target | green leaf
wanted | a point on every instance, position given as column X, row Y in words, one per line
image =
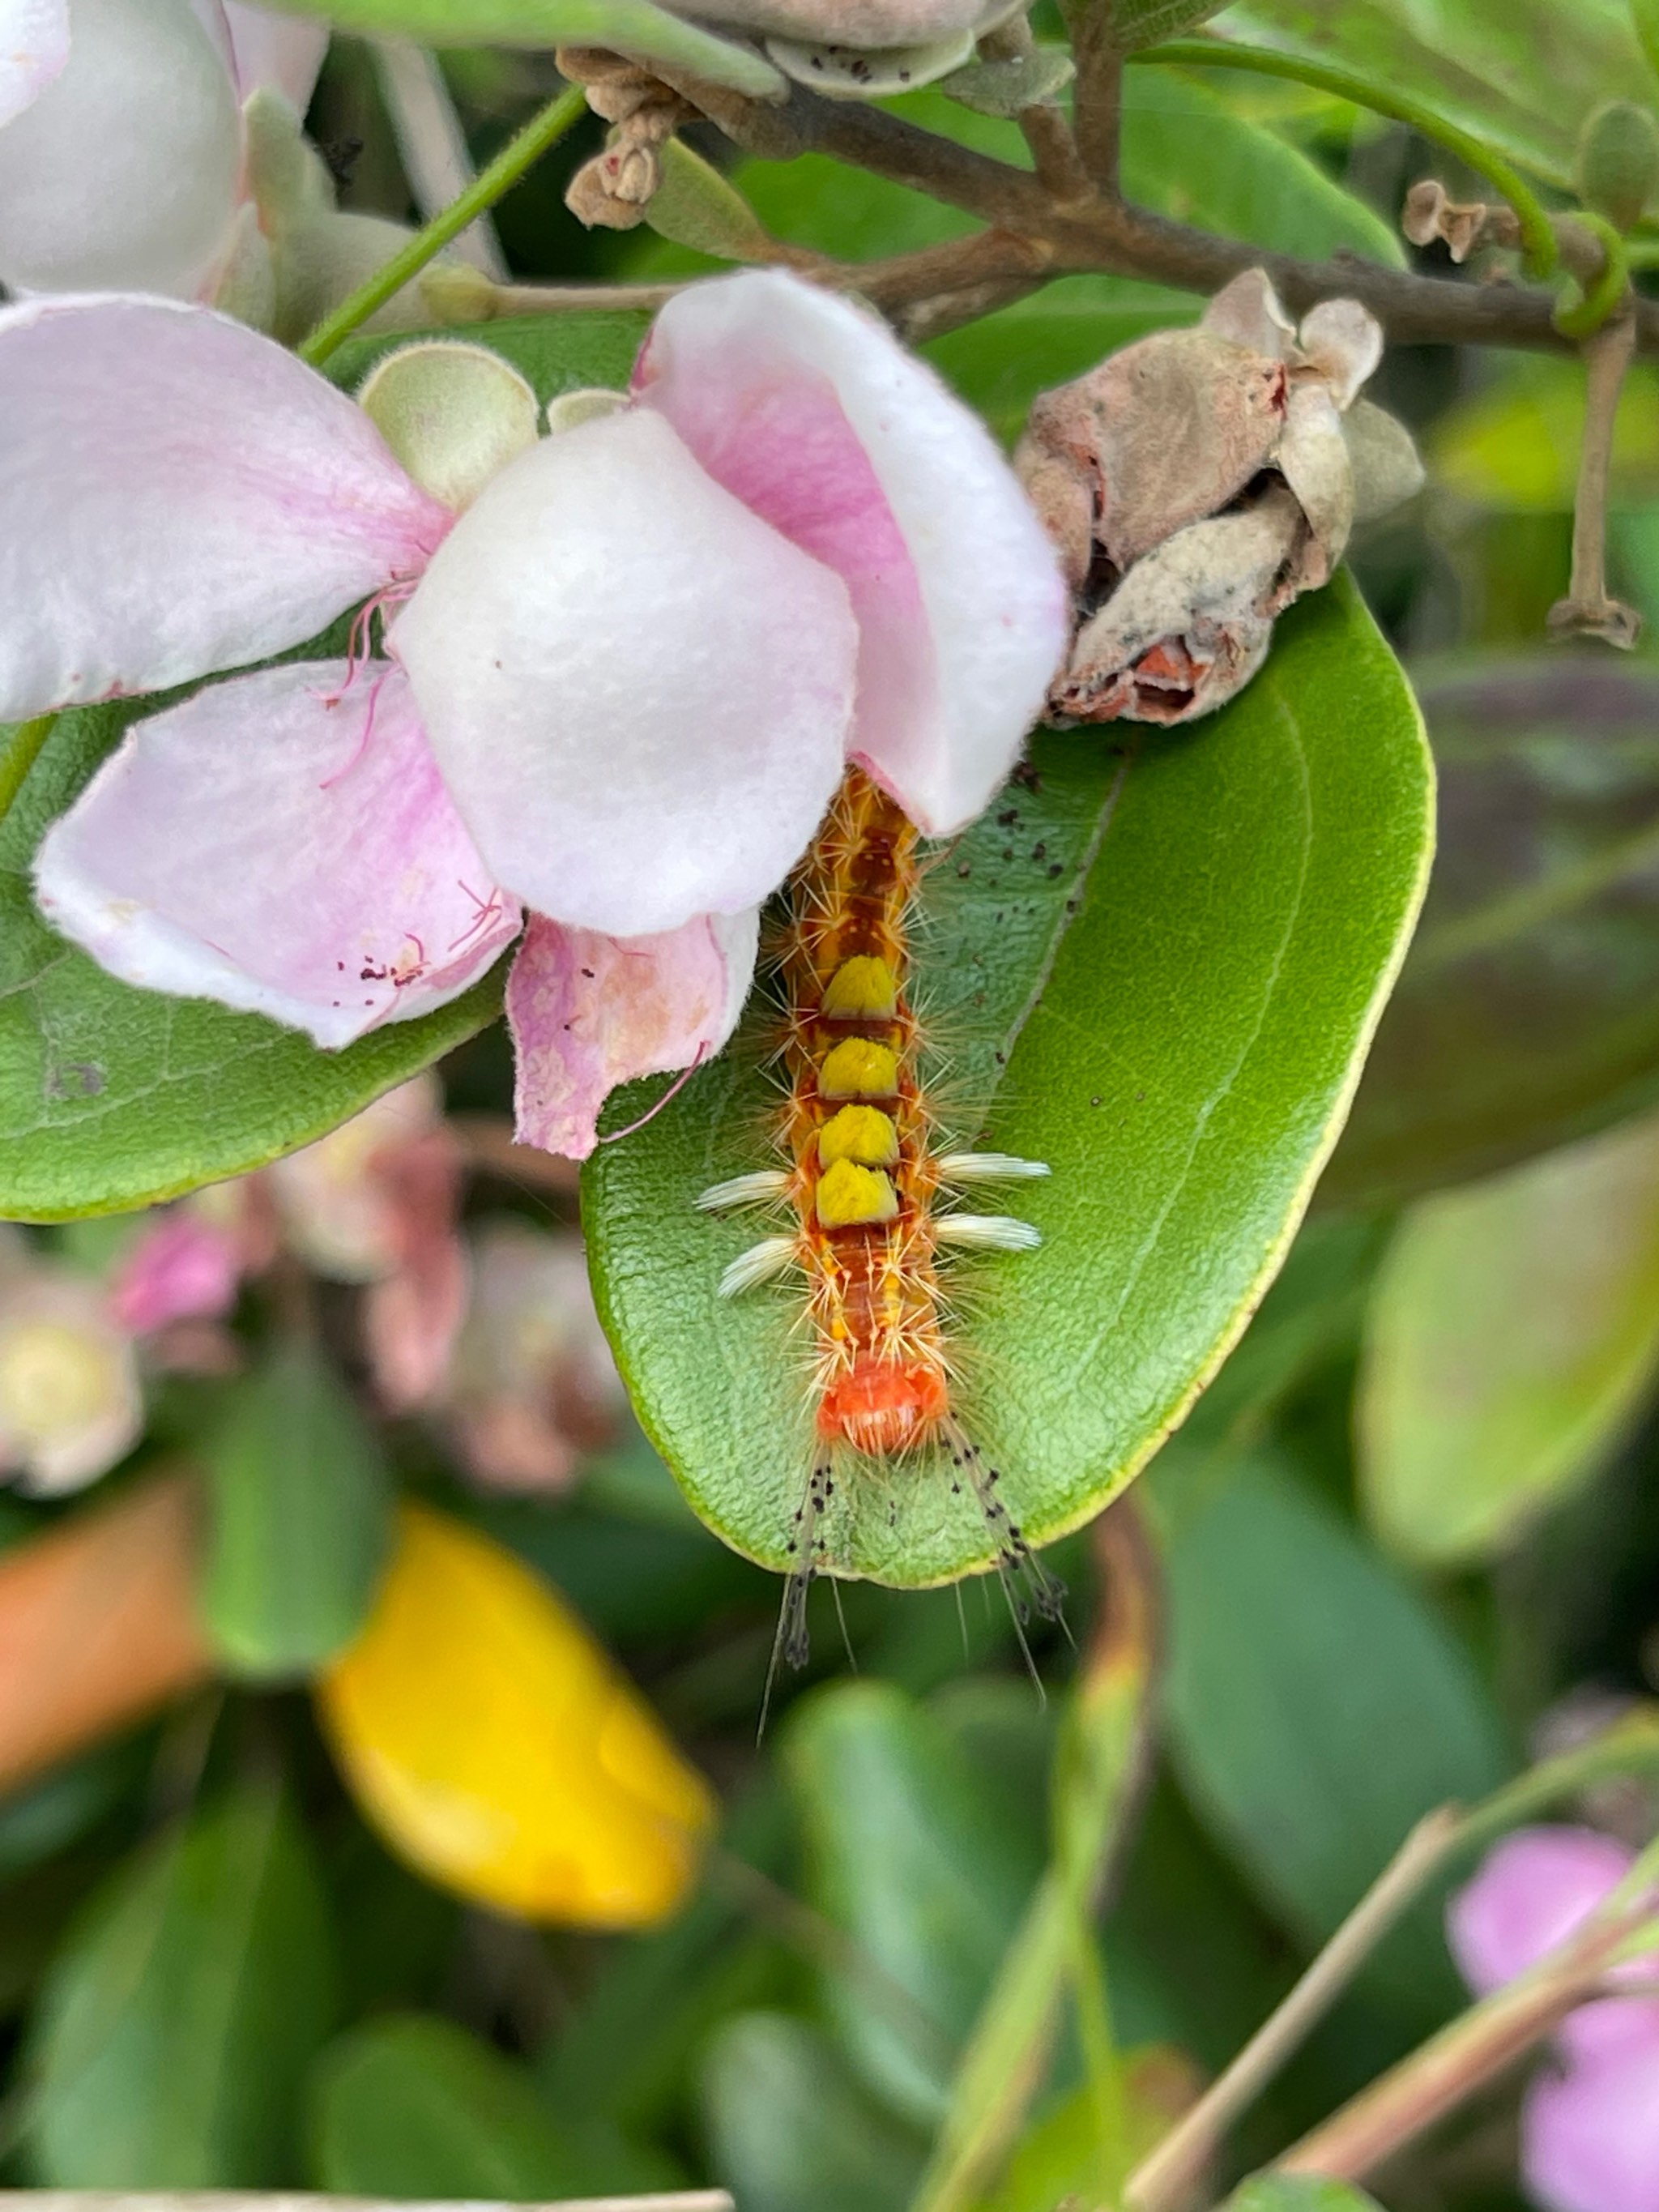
column 1524, row 75
column 1299, row 2192
column 917, row 1856
column 1644, row 16
column 1317, row 1709
column 414, row 2106
column 1157, row 973
column 792, row 2131
column 112, row 1098
column 180, row 2019
column 1137, row 24
column 1057, row 2161
column 1513, row 1335
column 627, row 26
column 695, row 206
column 1528, row 1012
column 300, row 1523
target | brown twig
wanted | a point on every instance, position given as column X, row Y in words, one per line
column 1474, row 2050
column 1587, row 611
column 1106, row 235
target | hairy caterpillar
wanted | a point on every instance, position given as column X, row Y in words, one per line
column 865, row 1184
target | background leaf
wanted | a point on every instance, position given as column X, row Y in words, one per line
column 1527, row 1010
column 792, row 2131
column 301, row 1519
column 925, row 1866
column 1297, row 2192
column 177, row 2024
column 628, row 27
column 1523, row 76
column 1513, row 1331
column 1192, row 1034
column 1317, row 1709
column 412, row 2105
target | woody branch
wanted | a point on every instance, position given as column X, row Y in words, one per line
column 1033, row 234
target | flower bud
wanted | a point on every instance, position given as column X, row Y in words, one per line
column 1194, row 484
column 1618, row 162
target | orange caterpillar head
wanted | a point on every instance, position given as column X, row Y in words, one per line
column 881, row 1407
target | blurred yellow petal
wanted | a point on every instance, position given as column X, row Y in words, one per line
column 497, row 1748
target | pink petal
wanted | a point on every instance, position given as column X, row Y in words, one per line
column 638, row 692
column 816, row 417
column 589, row 1012
column 1532, row 1891
column 282, row 51
column 1249, row 313
column 282, row 843
column 178, row 494
column 35, row 44
column 1590, row 2139
column 183, row 1267
column 124, row 167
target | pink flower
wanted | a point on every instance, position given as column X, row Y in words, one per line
column 533, row 1388
column 183, row 1267
column 122, row 147
column 627, row 669
column 1589, row 2126
column 376, row 1202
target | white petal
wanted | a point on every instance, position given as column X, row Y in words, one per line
column 33, row 47
column 178, row 494
column 1343, row 343
column 638, row 693
column 282, row 843
column 284, row 52
column 813, row 414
column 123, row 171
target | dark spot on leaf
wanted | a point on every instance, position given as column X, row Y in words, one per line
column 76, row 1078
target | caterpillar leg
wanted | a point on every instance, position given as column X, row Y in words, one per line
column 791, row 1645
column 1031, row 1590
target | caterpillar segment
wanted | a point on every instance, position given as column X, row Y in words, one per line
column 864, row 1182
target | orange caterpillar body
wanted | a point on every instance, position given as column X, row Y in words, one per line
column 866, row 1183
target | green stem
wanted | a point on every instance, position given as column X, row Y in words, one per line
column 18, row 755
column 1537, row 233
column 1584, row 317
column 519, row 154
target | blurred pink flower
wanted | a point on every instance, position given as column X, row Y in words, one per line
column 620, row 689
column 183, row 1267
column 70, row 1400
column 122, row 144
column 534, row 1389
column 1590, row 2123
column 376, row 1202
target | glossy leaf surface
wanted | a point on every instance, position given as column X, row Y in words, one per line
column 1158, row 972
column 300, row 1522
column 112, row 1098
column 1513, row 1332
column 178, row 2024
column 1528, row 1011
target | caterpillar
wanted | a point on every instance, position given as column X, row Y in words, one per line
column 866, row 1183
